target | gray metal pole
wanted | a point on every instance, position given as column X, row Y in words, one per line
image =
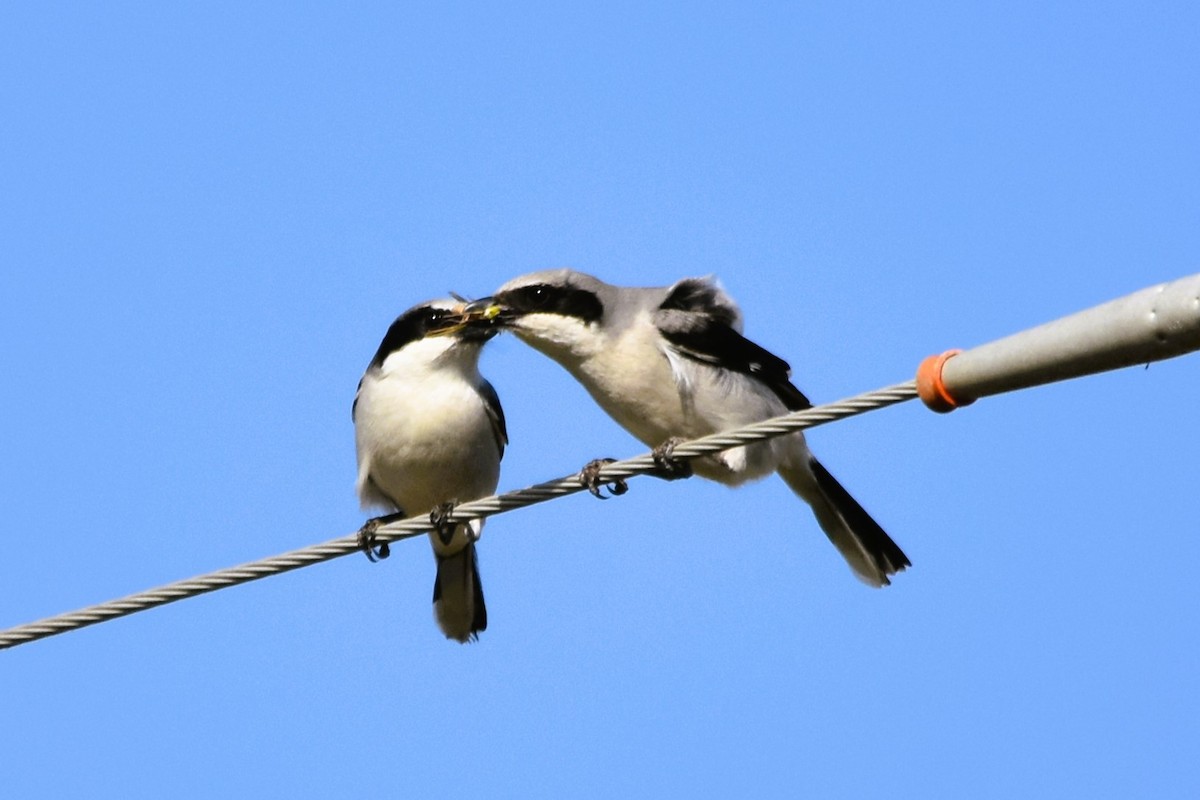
column 1155, row 323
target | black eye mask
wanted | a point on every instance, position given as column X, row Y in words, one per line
column 547, row 299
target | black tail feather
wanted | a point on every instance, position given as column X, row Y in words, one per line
column 886, row 554
column 458, row 595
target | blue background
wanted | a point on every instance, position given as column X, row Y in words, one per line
column 211, row 212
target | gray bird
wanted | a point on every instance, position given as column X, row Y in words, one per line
column 670, row 363
column 430, row 433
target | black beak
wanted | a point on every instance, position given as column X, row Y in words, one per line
column 487, row 311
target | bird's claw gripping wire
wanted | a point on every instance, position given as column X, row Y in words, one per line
column 589, row 478
column 366, row 540
column 666, row 465
column 233, row 576
column 439, row 518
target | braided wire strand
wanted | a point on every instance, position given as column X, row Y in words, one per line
column 396, row 528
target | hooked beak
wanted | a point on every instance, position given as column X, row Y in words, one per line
column 477, row 320
column 487, row 311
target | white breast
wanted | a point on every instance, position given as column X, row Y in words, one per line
column 423, row 440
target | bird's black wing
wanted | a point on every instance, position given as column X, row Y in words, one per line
column 354, row 405
column 491, row 404
column 697, row 318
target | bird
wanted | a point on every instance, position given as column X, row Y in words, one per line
column 429, row 433
column 670, row 363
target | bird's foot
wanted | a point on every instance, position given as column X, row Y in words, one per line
column 589, row 478
column 367, row 538
column 442, row 526
column 667, row 466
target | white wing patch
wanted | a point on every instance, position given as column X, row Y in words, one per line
column 680, row 374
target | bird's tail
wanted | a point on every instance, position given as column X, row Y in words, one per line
column 458, row 595
column 868, row 550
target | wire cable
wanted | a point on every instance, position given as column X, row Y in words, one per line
column 485, row 507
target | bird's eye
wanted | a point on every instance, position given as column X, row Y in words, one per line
column 437, row 320
column 537, row 296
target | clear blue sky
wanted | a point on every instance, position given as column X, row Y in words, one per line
column 210, row 215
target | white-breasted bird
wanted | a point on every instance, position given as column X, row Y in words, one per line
column 670, row 363
column 430, row 433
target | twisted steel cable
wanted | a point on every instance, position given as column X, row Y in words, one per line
column 396, row 527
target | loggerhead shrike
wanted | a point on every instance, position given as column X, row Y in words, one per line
column 430, row 433
column 670, row 363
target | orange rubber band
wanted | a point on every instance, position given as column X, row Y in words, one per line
column 930, row 387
